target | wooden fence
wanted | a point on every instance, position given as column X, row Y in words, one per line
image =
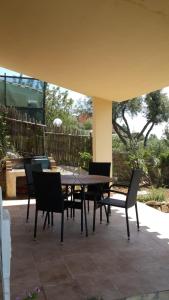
column 29, row 138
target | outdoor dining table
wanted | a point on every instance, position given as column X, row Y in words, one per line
column 83, row 181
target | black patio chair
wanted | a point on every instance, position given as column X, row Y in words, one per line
column 130, row 200
column 94, row 192
column 99, row 168
column 29, row 181
column 50, row 198
column 96, row 168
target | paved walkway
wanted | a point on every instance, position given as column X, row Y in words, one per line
column 104, row 264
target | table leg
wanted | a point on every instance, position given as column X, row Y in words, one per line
column 84, row 204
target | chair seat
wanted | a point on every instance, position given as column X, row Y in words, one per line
column 87, row 195
column 129, row 200
column 114, row 202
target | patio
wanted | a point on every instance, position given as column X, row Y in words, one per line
column 103, row 264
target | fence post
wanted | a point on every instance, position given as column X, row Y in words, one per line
column 44, row 104
column 44, row 141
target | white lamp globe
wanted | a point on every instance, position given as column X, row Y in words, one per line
column 57, row 122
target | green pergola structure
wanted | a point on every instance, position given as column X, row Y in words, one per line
column 25, row 94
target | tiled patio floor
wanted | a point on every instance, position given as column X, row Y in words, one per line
column 103, row 264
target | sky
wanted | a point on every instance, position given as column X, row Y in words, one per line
column 136, row 124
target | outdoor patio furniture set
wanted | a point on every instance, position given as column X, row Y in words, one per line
column 47, row 188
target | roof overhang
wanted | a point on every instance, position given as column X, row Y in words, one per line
column 111, row 49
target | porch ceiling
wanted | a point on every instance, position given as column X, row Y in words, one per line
column 112, row 49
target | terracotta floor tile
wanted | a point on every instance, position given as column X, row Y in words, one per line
column 81, row 264
column 103, row 264
column 64, row 291
column 53, row 272
column 99, row 285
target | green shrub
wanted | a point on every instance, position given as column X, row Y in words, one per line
column 85, row 158
column 154, row 194
column 164, row 159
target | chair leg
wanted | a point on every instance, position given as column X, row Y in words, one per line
column 73, row 210
column 67, row 213
column 36, row 220
column 107, row 212
column 138, row 226
column 127, row 223
column 62, row 226
column 81, row 217
column 94, row 215
column 52, row 219
column 72, row 213
column 88, row 207
column 44, row 225
column 100, row 214
column 48, row 214
column 27, row 215
column 85, row 217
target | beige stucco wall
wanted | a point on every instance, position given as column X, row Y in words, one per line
column 102, row 130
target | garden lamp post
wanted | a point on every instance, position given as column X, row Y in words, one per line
column 57, row 122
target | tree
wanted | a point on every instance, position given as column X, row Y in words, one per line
column 84, row 110
column 59, row 105
column 84, row 107
column 153, row 106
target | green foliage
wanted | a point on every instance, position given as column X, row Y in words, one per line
column 157, row 107
column 166, row 135
column 153, row 106
column 85, row 158
column 84, row 107
column 87, row 125
column 164, row 159
column 154, row 194
column 59, row 105
column 136, row 157
column 117, row 144
column 153, row 159
column 4, row 136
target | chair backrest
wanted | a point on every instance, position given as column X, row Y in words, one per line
column 44, row 161
column 48, row 191
column 99, row 168
column 133, row 187
column 28, row 171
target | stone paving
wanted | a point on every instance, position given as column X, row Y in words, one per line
column 104, row 264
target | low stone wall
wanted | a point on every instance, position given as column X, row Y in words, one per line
column 162, row 206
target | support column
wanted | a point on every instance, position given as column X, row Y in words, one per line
column 102, row 130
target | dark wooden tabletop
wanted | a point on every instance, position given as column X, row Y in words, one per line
column 84, row 179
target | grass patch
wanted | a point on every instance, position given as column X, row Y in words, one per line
column 156, row 194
